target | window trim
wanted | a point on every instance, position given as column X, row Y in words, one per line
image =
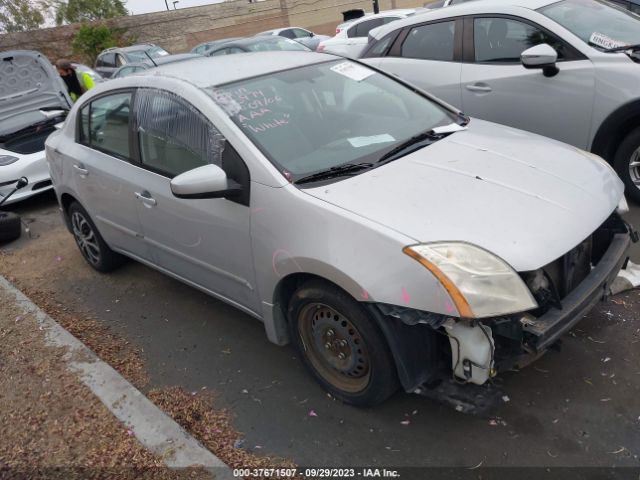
column 88, row 103
column 396, row 47
column 571, row 53
column 136, row 140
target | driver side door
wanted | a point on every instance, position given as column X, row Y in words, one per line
column 497, row 87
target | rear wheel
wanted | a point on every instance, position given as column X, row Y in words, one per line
column 90, row 242
column 627, row 164
column 341, row 345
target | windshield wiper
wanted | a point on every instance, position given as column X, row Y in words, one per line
column 415, row 142
column 335, row 172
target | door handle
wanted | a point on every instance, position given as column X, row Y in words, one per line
column 479, row 87
column 81, row 170
column 146, row 198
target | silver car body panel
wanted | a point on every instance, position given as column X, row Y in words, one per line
column 479, row 182
column 569, row 107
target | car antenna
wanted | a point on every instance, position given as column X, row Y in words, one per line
column 147, row 54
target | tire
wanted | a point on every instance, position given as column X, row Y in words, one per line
column 10, row 227
column 628, row 153
column 341, row 345
column 91, row 244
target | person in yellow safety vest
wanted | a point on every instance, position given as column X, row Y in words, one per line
column 77, row 82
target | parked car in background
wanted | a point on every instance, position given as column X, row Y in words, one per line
column 95, row 76
column 302, row 35
column 444, row 3
column 351, row 37
column 131, row 68
column 256, row 44
column 393, row 240
column 111, row 59
column 565, row 69
column 34, row 101
column 203, row 47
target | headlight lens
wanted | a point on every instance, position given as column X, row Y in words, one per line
column 7, row 160
column 479, row 283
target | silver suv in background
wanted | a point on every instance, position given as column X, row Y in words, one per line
column 394, row 241
column 112, row 59
column 568, row 69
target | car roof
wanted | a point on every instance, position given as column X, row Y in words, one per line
column 466, row 8
column 218, row 41
column 207, row 71
column 247, row 42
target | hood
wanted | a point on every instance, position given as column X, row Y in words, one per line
column 521, row 196
column 29, row 82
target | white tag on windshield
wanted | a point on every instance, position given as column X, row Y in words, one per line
column 353, row 71
column 601, row 40
column 358, row 142
column 452, row 127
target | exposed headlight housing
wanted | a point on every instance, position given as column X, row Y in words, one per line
column 7, row 160
column 480, row 284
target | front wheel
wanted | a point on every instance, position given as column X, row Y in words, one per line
column 627, row 164
column 341, row 345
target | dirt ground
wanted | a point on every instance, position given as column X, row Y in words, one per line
column 35, row 270
column 51, row 425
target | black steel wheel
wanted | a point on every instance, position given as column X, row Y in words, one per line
column 341, row 345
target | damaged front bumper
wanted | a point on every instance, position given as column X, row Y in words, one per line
column 542, row 332
column 474, row 351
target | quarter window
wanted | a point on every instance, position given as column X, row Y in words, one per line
column 434, row 41
column 107, row 60
column 362, row 29
column 503, row 40
column 104, row 124
column 173, row 136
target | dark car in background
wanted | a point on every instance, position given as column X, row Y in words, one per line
column 202, row 48
column 112, row 59
column 130, row 68
column 257, row 44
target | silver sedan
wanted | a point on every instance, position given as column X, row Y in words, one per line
column 393, row 240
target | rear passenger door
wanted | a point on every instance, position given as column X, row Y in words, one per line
column 429, row 56
column 104, row 176
column 205, row 242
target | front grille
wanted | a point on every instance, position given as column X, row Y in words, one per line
column 553, row 282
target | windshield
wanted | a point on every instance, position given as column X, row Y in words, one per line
column 315, row 117
column 596, row 22
column 277, row 45
column 153, row 52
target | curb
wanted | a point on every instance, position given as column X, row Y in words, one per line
column 153, row 428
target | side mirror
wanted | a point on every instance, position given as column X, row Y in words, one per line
column 208, row 181
column 541, row 56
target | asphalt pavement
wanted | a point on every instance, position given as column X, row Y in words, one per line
column 577, row 407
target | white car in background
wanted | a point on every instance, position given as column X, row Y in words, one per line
column 299, row 34
column 33, row 102
column 568, row 69
column 350, row 39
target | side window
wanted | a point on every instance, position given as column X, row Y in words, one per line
column 108, row 60
column 503, row 40
column 223, row 51
column 363, row 28
column 386, row 20
column 434, row 41
column 288, row 33
column 104, row 124
column 173, row 136
column 300, row 33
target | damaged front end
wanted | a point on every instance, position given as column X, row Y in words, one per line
column 454, row 359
